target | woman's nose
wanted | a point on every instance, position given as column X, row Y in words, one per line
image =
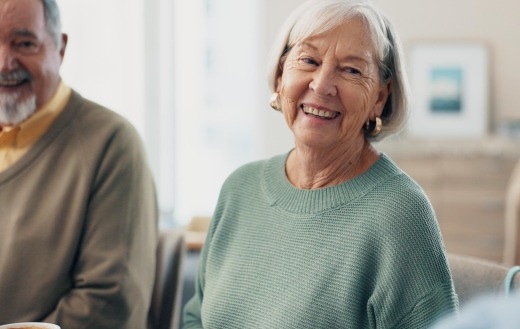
column 324, row 81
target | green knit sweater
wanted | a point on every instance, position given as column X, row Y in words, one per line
column 363, row 254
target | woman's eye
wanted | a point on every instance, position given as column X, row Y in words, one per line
column 309, row 61
column 351, row 70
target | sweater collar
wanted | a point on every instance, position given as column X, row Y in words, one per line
column 284, row 195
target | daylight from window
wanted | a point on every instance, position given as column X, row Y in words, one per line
column 186, row 74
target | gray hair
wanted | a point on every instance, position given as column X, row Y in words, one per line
column 51, row 12
column 318, row 16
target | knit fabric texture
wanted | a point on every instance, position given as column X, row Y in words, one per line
column 366, row 253
column 78, row 225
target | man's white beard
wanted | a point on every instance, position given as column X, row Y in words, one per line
column 13, row 111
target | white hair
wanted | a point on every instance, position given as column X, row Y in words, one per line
column 315, row 17
column 51, row 12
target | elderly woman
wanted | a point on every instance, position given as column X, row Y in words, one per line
column 332, row 234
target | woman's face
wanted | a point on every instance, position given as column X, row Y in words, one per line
column 330, row 86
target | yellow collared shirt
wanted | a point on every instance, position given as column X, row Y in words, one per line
column 17, row 140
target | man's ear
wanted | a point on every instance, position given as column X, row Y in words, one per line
column 64, row 40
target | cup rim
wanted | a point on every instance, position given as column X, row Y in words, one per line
column 43, row 325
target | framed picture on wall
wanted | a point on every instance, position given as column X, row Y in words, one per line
column 450, row 91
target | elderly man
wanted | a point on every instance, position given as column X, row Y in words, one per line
column 78, row 213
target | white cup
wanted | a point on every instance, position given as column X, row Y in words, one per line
column 38, row 325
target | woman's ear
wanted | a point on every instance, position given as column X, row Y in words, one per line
column 382, row 97
column 278, row 83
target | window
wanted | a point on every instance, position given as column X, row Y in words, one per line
column 216, row 53
column 188, row 74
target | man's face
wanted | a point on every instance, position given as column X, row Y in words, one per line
column 29, row 60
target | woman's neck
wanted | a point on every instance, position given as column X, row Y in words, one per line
column 307, row 168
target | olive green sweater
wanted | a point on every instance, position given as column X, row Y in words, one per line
column 363, row 254
column 78, row 225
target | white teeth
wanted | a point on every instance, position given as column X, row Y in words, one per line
column 13, row 78
column 319, row 113
column 9, row 83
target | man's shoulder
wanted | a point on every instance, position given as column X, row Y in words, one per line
column 88, row 117
column 91, row 111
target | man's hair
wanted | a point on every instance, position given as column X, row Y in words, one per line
column 51, row 12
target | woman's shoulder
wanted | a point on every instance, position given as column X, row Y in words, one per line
column 254, row 169
column 399, row 185
column 405, row 205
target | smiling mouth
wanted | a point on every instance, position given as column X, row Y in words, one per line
column 14, row 79
column 319, row 113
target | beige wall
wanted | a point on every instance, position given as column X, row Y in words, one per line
column 494, row 23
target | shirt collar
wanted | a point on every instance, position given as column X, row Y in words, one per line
column 38, row 123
